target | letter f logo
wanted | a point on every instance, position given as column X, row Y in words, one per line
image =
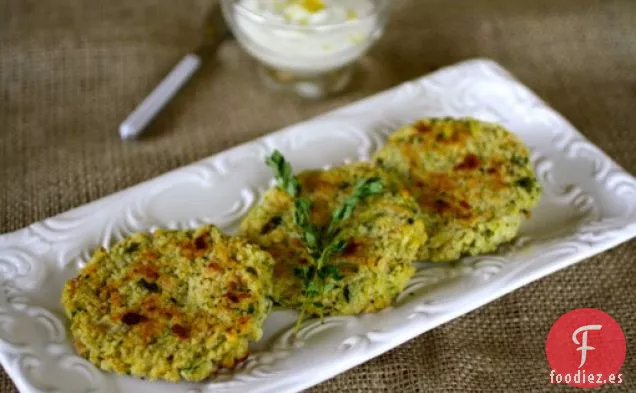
column 584, row 347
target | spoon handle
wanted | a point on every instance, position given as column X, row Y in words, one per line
column 151, row 105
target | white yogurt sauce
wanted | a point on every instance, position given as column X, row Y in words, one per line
column 306, row 36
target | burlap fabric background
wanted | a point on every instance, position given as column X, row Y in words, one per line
column 71, row 70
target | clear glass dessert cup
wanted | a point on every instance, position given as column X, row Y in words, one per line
column 311, row 57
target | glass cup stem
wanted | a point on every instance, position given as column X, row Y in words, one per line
column 313, row 86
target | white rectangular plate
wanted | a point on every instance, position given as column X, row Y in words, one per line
column 589, row 205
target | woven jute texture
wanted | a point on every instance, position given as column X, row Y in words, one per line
column 71, row 70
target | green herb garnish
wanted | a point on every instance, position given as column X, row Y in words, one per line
column 330, row 271
column 283, row 173
column 322, row 245
column 363, row 189
column 302, row 206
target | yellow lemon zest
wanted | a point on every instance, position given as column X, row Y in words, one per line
column 312, row 6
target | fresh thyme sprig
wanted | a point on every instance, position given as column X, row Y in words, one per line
column 321, row 246
column 363, row 189
column 285, row 178
column 283, row 173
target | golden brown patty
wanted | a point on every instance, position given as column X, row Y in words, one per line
column 383, row 236
column 473, row 181
column 171, row 305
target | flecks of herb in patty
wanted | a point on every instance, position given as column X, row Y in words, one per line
column 150, row 286
column 272, row 224
column 519, row 160
column 526, row 183
column 252, row 271
column 132, row 247
column 344, row 185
